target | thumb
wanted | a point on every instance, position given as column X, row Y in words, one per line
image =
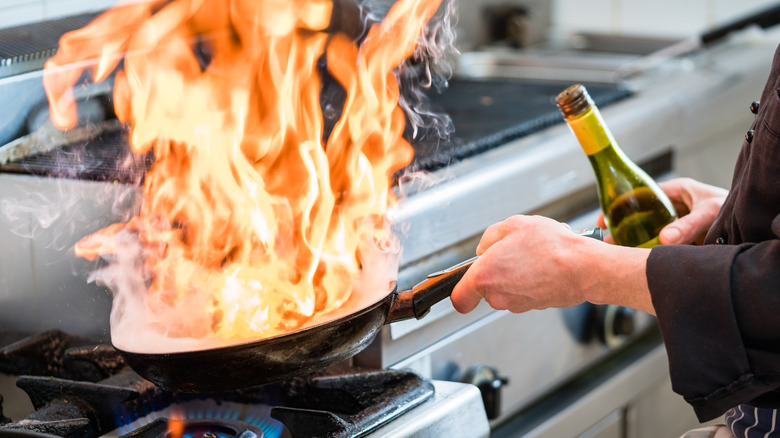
column 465, row 297
column 685, row 230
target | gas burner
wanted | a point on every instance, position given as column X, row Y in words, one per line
column 204, row 418
column 223, row 428
column 79, row 389
column 203, row 428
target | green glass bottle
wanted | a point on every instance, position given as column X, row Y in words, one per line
column 635, row 208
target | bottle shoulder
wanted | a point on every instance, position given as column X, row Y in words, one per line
column 611, row 162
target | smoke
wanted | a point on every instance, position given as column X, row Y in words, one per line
column 416, row 181
column 125, row 276
column 31, row 214
column 430, row 68
column 60, row 211
column 62, row 204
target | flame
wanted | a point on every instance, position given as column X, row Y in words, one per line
column 175, row 427
column 247, row 210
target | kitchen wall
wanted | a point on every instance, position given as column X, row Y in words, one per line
column 653, row 18
column 558, row 18
column 656, row 18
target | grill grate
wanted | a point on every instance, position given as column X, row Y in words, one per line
column 25, row 48
column 105, row 156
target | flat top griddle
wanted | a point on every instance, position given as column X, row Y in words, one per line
column 489, row 113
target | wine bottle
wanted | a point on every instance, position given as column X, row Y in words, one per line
column 635, row 208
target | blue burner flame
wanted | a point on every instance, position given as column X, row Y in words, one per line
column 258, row 415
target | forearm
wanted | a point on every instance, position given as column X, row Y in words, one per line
column 617, row 275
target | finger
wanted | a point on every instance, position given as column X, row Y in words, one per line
column 464, row 298
column 676, row 188
column 679, row 192
column 493, row 234
column 600, row 222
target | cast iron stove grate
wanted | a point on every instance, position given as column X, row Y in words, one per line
column 79, row 388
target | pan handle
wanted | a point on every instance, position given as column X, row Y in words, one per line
column 417, row 302
column 437, row 287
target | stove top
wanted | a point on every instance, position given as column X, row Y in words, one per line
column 79, row 388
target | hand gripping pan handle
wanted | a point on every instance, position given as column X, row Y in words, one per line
column 417, row 302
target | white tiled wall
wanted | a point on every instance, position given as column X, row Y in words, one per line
column 673, row 18
column 15, row 12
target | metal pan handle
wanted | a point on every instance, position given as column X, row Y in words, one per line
column 417, row 302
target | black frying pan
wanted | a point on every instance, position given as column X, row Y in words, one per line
column 294, row 353
column 298, row 352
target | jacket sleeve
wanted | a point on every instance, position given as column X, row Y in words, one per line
column 718, row 309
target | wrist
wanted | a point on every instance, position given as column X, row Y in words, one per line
column 616, row 275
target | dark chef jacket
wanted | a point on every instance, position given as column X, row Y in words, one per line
column 718, row 305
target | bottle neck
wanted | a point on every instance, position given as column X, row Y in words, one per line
column 591, row 131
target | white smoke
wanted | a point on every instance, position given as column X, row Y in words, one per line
column 60, row 210
column 430, row 68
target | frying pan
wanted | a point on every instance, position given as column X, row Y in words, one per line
column 298, row 352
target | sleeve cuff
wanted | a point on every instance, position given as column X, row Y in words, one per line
column 691, row 294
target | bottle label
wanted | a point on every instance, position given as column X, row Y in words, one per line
column 591, row 131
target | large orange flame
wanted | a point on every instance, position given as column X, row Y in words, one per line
column 246, row 205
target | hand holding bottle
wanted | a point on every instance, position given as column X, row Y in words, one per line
column 696, row 203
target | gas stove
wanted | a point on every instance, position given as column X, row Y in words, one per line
column 79, row 388
column 545, row 373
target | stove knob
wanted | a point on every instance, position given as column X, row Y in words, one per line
column 581, row 320
column 489, row 383
column 617, row 323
